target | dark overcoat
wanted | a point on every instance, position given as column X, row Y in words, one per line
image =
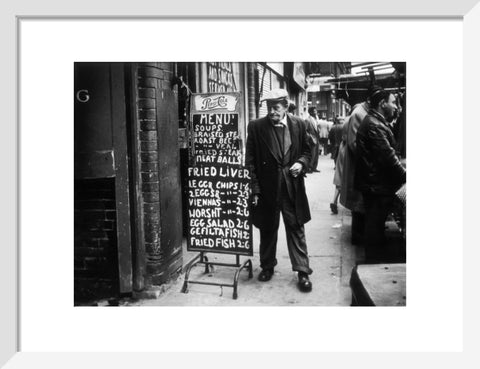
column 267, row 169
column 378, row 169
column 350, row 197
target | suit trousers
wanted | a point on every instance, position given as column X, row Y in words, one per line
column 358, row 227
column 296, row 242
column 315, row 154
column 377, row 208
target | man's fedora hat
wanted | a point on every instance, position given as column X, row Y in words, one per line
column 275, row 95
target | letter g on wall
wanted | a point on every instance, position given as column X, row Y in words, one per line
column 82, row 96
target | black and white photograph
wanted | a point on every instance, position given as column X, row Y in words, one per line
column 240, row 183
column 225, row 184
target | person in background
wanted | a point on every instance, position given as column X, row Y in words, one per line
column 278, row 156
column 378, row 172
column 292, row 107
column 335, row 137
column 323, row 135
column 313, row 137
column 304, row 114
column 340, row 157
column 330, row 123
column 399, row 128
column 351, row 198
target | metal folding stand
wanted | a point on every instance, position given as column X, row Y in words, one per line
column 202, row 259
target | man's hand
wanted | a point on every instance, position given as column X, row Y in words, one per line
column 255, row 200
column 296, row 169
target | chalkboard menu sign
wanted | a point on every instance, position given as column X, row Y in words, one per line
column 218, row 181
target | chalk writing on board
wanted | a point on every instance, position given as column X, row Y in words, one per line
column 218, row 185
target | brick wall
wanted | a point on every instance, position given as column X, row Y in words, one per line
column 95, row 240
column 158, row 160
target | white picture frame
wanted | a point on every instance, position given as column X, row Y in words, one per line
column 13, row 12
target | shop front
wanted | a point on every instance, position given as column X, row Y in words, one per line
column 132, row 151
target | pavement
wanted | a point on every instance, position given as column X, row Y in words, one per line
column 332, row 258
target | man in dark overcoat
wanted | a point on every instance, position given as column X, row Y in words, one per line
column 278, row 155
column 379, row 172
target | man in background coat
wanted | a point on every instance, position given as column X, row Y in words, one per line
column 314, row 138
column 323, row 129
column 350, row 197
column 278, row 155
column 378, row 172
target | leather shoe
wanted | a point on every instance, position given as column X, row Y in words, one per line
column 265, row 275
column 304, row 283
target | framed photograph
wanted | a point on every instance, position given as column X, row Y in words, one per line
column 202, row 52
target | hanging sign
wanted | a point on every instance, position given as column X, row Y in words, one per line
column 218, row 181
